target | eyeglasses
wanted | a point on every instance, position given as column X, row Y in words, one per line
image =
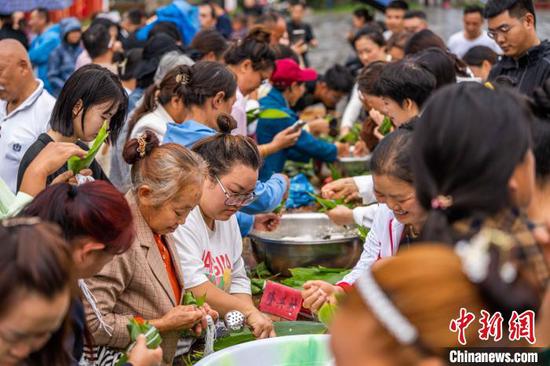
column 235, row 199
column 502, row 30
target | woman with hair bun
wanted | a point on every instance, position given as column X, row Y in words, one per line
column 146, row 280
column 208, row 92
column 209, row 243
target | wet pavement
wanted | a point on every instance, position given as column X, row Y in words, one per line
column 331, row 30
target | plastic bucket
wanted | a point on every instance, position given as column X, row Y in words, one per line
column 300, row 350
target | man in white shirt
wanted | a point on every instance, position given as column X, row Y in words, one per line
column 25, row 108
column 473, row 33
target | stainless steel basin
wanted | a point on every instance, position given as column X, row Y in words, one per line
column 353, row 166
column 306, row 239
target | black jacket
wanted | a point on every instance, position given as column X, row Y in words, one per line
column 526, row 73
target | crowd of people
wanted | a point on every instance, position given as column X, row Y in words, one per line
column 204, row 110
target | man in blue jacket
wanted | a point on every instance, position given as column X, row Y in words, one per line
column 184, row 15
column 288, row 87
column 46, row 40
column 62, row 61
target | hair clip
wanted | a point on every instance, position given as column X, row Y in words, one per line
column 182, row 79
column 442, row 202
column 122, row 66
column 141, row 145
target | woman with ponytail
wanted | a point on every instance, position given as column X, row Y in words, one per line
column 209, row 243
column 161, row 105
column 146, row 280
column 208, row 92
column 476, row 178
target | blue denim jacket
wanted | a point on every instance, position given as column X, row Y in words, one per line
column 268, row 195
column 306, row 148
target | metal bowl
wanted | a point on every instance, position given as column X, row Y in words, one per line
column 353, row 166
column 306, row 239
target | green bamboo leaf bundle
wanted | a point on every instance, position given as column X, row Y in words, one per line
column 76, row 164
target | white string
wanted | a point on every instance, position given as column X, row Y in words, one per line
column 93, row 303
column 210, row 336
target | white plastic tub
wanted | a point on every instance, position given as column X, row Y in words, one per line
column 300, row 350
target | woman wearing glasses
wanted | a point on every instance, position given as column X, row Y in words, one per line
column 208, row 91
column 209, row 243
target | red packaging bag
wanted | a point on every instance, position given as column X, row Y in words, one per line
column 281, row 300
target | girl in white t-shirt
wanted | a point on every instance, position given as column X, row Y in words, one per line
column 398, row 220
column 209, row 243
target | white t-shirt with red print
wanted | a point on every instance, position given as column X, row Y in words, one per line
column 212, row 255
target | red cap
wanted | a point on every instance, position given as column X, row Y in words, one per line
column 287, row 71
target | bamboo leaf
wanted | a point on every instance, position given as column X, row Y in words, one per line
column 386, row 126
column 272, row 114
column 76, row 164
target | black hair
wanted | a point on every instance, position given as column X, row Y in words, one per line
column 372, row 34
column 135, row 16
column 44, row 13
column 368, row 78
column 268, row 17
column 456, row 153
column 476, row 55
column 473, row 8
column 439, row 63
column 254, row 47
column 212, row 9
column 127, row 69
column 339, row 78
column 392, row 156
column 205, row 80
column 416, row 14
column 96, row 40
column 541, row 131
column 281, row 52
column 404, row 80
column 363, row 13
column 423, row 40
column 223, row 150
column 541, row 149
column 516, row 8
column 301, row 3
column 398, row 4
column 93, row 85
column 206, row 41
column 168, row 28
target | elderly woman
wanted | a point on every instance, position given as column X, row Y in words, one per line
column 146, row 280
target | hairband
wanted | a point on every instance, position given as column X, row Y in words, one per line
column 385, row 311
column 141, row 145
column 20, row 221
column 182, row 79
column 442, row 202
